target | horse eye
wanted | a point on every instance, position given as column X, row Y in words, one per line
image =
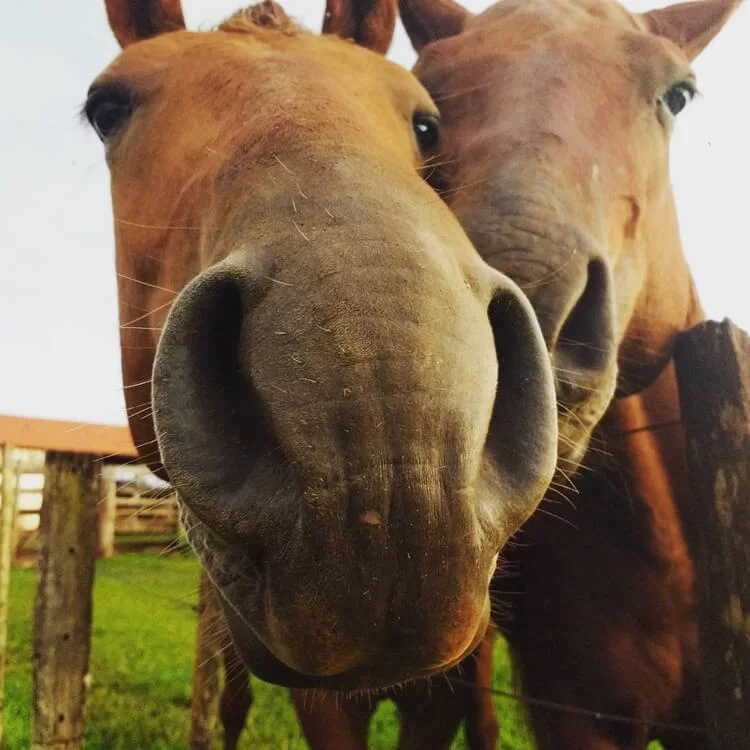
column 678, row 97
column 107, row 109
column 427, row 130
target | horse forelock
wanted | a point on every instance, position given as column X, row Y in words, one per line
column 266, row 15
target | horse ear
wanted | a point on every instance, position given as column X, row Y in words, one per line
column 370, row 23
column 691, row 26
column 428, row 20
column 134, row 20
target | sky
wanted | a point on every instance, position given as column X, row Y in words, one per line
column 59, row 355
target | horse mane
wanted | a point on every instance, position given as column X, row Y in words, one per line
column 265, row 15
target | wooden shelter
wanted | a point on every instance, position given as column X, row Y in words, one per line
column 127, row 505
column 67, row 437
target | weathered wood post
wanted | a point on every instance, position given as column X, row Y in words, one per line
column 107, row 514
column 63, row 608
column 16, row 530
column 713, row 369
column 204, row 703
column 7, row 523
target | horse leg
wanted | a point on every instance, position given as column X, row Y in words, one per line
column 571, row 652
column 555, row 730
column 690, row 714
column 333, row 722
column 237, row 696
column 675, row 739
column 432, row 722
column 432, row 713
column 481, row 724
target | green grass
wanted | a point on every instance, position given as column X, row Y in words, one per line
column 137, row 542
column 141, row 666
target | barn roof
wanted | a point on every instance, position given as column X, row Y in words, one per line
column 68, row 437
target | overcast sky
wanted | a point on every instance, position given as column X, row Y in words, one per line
column 59, row 353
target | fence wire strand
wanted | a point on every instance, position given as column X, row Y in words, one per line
column 566, row 708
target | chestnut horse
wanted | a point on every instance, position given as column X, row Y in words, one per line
column 553, row 154
column 325, row 343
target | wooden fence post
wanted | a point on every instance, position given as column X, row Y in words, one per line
column 7, row 523
column 713, row 370
column 107, row 515
column 16, row 536
column 204, row 703
column 63, row 607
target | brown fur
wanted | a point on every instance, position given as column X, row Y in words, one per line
column 606, row 616
column 368, row 23
column 325, row 351
column 144, row 19
column 552, row 125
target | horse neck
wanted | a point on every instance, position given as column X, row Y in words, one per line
column 668, row 305
column 645, row 433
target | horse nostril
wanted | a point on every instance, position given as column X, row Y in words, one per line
column 525, row 396
column 210, row 423
column 586, row 339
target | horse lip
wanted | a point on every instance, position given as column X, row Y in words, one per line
column 367, row 677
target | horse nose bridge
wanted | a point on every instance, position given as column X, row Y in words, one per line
column 548, row 263
column 585, row 330
column 573, row 298
column 549, row 242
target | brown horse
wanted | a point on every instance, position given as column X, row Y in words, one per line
column 553, row 154
column 325, row 343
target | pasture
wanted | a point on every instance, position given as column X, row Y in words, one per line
column 142, row 663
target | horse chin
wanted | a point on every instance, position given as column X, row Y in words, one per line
column 239, row 582
column 375, row 677
column 257, row 657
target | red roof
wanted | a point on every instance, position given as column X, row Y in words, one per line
column 68, row 437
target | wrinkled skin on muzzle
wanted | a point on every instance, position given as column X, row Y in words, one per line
column 349, row 466
column 553, row 154
column 356, row 411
